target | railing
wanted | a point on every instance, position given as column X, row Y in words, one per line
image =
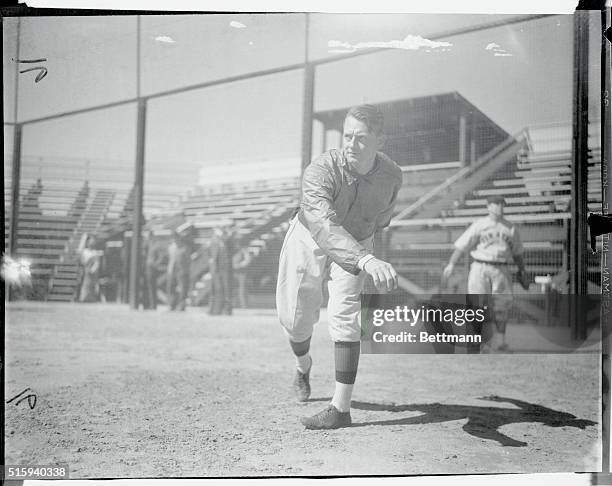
column 435, row 166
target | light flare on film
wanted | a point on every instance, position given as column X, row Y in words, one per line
column 16, row 272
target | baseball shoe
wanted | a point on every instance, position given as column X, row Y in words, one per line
column 301, row 385
column 330, row 418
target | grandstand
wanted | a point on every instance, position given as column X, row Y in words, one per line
column 48, row 216
column 256, row 211
column 63, row 198
column 437, row 129
column 452, row 157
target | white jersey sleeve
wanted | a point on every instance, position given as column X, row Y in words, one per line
column 469, row 238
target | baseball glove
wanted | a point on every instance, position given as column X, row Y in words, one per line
column 523, row 279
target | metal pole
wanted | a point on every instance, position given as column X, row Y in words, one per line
column 472, row 140
column 138, row 29
column 16, row 168
column 606, row 200
column 324, row 139
column 581, row 328
column 135, row 258
column 579, row 267
column 307, row 115
column 462, row 140
column 137, row 221
column 308, row 104
column 15, row 185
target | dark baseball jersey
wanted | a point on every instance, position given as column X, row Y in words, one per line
column 341, row 207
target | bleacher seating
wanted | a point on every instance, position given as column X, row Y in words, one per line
column 64, row 276
column 535, row 182
column 419, row 179
column 260, row 213
column 536, row 186
column 26, row 188
column 254, row 210
column 48, row 215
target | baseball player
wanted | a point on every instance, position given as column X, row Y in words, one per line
column 494, row 244
column 220, row 267
column 177, row 272
column 153, row 265
column 347, row 195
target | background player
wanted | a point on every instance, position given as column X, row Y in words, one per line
column 494, row 244
column 347, row 196
column 177, row 273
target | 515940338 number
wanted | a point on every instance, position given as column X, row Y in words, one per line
column 22, row 472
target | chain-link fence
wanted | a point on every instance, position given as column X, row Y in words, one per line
column 474, row 105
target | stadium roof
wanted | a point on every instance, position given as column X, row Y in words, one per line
column 414, row 112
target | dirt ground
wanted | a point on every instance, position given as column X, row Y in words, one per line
column 160, row 394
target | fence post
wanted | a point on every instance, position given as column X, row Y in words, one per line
column 135, row 260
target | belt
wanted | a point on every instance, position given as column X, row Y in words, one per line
column 492, row 263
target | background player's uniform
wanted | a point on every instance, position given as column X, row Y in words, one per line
column 154, row 254
column 340, row 211
column 221, row 275
column 179, row 259
column 493, row 245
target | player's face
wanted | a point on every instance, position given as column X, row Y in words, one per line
column 359, row 145
column 496, row 210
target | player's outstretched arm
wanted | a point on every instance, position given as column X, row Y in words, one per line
column 321, row 220
column 383, row 274
column 450, row 268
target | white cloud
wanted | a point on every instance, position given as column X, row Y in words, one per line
column 237, row 25
column 498, row 51
column 410, row 42
column 336, row 43
column 165, row 38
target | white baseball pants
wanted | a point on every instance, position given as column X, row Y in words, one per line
column 494, row 280
column 303, row 267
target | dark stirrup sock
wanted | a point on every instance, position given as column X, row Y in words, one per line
column 300, row 349
column 346, row 355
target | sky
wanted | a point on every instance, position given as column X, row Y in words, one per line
column 519, row 75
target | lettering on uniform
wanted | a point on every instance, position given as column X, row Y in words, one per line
column 494, row 236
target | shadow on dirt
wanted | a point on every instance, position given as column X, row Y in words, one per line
column 482, row 422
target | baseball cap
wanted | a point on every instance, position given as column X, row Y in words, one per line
column 496, row 200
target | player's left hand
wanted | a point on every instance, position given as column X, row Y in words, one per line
column 448, row 271
column 523, row 279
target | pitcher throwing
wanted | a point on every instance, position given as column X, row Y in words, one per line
column 347, row 195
